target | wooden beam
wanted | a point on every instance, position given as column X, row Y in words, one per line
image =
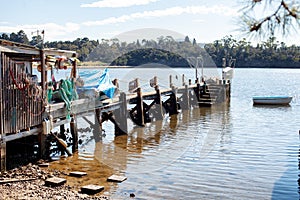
column 185, row 103
column 170, row 80
column 3, row 156
column 14, row 180
column 34, row 131
column 121, row 116
column 173, row 102
column 43, row 73
column 74, row 133
column 42, row 136
column 97, row 132
column 159, row 114
column 140, row 107
column 78, row 107
column 60, row 122
column 1, row 91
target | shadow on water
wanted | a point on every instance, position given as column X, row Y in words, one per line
column 288, row 185
column 271, row 106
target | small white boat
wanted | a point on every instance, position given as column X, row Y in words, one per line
column 272, row 100
column 228, row 69
column 228, row 73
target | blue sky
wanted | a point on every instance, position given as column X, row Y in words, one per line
column 70, row 19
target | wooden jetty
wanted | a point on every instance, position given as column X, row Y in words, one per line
column 26, row 109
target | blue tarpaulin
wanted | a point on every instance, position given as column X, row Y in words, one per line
column 104, row 84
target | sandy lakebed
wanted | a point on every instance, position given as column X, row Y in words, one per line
column 28, row 182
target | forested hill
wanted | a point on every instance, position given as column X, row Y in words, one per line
column 150, row 55
column 166, row 50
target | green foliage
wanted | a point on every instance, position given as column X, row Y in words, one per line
column 271, row 53
column 276, row 16
column 167, row 51
column 149, row 56
column 19, row 37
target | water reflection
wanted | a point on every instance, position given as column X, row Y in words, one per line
column 96, row 171
column 271, row 106
column 153, row 148
column 299, row 169
column 173, row 123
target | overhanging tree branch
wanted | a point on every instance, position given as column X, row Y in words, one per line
column 283, row 18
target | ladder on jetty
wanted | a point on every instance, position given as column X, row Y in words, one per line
column 211, row 95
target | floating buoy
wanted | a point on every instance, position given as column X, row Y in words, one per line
column 39, row 68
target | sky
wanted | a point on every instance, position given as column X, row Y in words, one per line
column 67, row 20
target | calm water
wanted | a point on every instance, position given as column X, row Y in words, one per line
column 236, row 151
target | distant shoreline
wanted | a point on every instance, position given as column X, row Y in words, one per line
column 238, row 67
column 125, row 67
column 101, row 66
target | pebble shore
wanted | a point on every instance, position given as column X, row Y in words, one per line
column 28, row 182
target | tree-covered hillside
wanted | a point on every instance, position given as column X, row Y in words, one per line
column 166, row 50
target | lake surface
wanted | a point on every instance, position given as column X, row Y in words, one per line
column 235, row 151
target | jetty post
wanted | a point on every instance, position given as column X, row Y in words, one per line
column 2, row 143
column 171, row 81
column 138, row 112
column 74, row 133
column 159, row 114
column 3, row 156
column 42, row 136
column 173, row 102
column 186, row 98
column 97, row 132
column 140, row 107
column 73, row 123
column 121, row 116
column 183, row 80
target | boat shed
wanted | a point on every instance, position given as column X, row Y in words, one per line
column 23, row 97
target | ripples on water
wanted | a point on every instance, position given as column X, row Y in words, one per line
column 236, row 151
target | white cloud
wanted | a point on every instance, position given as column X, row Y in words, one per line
column 198, row 20
column 4, row 23
column 52, row 30
column 117, row 3
column 173, row 11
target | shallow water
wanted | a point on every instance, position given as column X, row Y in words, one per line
column 229, row 151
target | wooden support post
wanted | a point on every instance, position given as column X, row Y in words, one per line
column 44, row 78
column 74, row 133
column 183, row 80
column 62, row 136
column 190, row 81
column 124, row 113
column 173, row 102
column 97, row 126
column 170, row 79
column 197, row 91
column 140, row 108
column 159, row 115
column 62, row 132
column 121, row 115
column 74, row 67
column 3, row 156
column 185, row 99
column 228, row 91
column 42, row 144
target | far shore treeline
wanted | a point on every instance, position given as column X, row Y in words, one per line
column 168, row 51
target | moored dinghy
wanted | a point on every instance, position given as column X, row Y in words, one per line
column 272, row 100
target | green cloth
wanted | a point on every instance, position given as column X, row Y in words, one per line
column 67, row 93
